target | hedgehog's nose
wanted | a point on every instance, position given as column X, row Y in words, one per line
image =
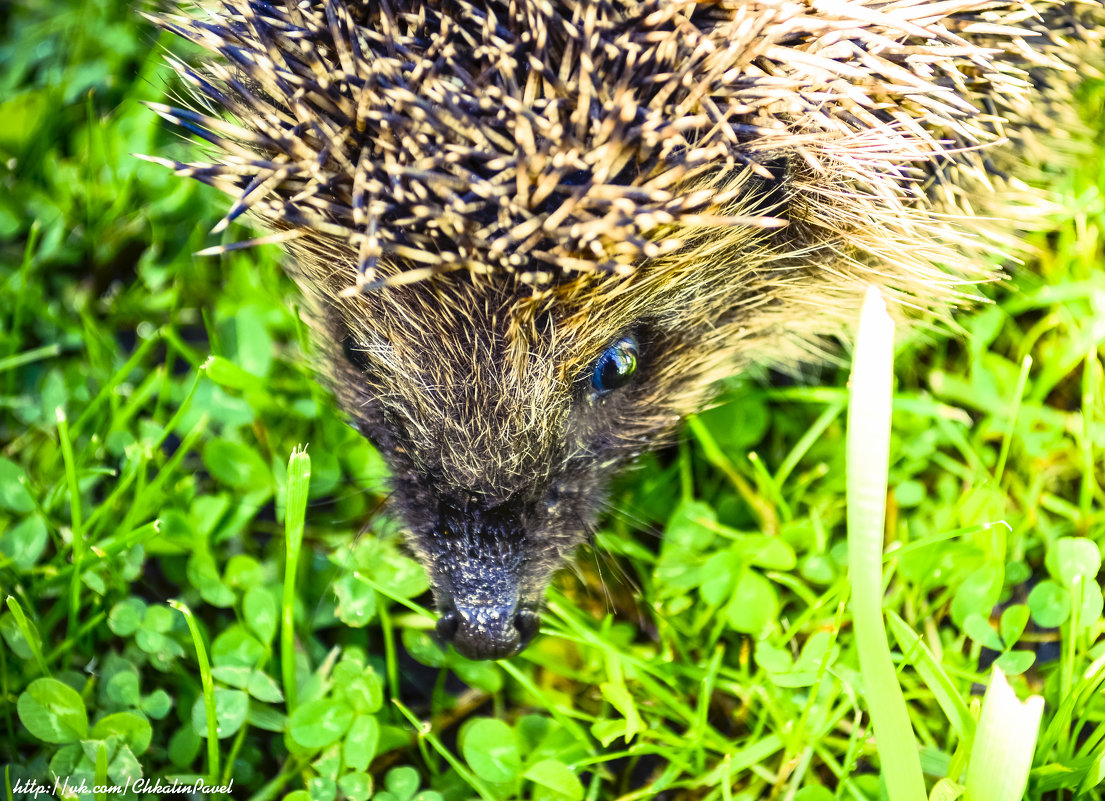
column 488, row 632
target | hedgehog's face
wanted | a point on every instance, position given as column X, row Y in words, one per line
column 502, row 429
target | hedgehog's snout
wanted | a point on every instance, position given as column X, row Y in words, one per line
column 478, row 552
column 488, row 632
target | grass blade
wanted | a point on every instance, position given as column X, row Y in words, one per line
column 1002, row 752
column 30, row 634
column 74, row 517
column 299, row 480
column 934, row 677
column 868, row 449
column 208, row 684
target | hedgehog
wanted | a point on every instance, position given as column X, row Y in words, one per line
column 534, row 235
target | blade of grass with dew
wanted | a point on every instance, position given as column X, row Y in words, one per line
column 868, row 451
column 30, row 634
column 74, row 517
column 98, row 793
column 295, row 511
column 29, row 357
column 208, row 684
column 1011, row 427
column 1002, row 752
column 1091, row 385
column 932, row 674
column 802, row 447
column 425, row 731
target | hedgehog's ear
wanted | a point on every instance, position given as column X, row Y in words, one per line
column 355, row 353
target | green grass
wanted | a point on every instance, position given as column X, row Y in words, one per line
column 150, row 406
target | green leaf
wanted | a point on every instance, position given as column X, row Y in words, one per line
column 356, row 601
column 355, row 786
column 267, row 718
column 1090, row 610
column 231, row 707
column 486, row 676
column 403, row 577
column 423, row 648
column 814, row 792
column 678, row 571
column 69, row 761
column 317, row 724
column 236, row 465
column 772, row 659
column 233, row 675
column 818, row 648
column 13, row 490
column 246, row 573
column 359, row 747
column 157, row 645
column 770, row 553
column 157, row 704
column 978, row 593
column 622, row 700
column 13, row 636
column 909, row 493
column 259, row 608
column 943, row 790
column 402, row 782
column 25, row 542
column 491, row 749
column 818, row 569
column 184, row 746
column 1013, row 621
column 264, row 688
column 126, row 616
column 1049, row 604
column 1014, row 663
column 322, row 789
column 226, row 373
column 557, row 778
column 53, row 712
column 132, row 729
column 754, row 606
column 607, row 731
column 159, row 618
column 365, row 692
column 979, row 629
column 124, row 688
column 236, row 647
column 718, row 575
column 250, row 341
column 203, row 574
column 688, row 529
column 737, row 425
column 1071, row 557
column 365, row 465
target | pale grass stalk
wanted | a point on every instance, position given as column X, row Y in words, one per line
column 868, row 448
column 1001, row 755
column 295, row 511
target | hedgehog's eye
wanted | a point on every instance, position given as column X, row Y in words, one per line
column 615, row 366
